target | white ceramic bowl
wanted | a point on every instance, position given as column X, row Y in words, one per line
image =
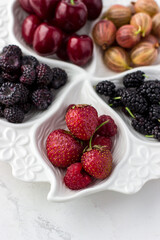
column 136, row 159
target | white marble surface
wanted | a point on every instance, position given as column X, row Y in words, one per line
column 26, row 214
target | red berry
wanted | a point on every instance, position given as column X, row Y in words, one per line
column 76, row 178
column 63, row 148
column 82, row 121
column 25, row 4
column 109, row 129
column 80, row 49
column 47, row 39
column 69, row 16
column 29, row 26
column 97, row 163
column 94, row 8
column 102, row 141
column 44, row 8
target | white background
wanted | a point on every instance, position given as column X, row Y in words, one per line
column 25, row 213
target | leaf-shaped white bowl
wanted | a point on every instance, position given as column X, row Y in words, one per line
column 136, row 159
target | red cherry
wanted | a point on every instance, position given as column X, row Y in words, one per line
column 44, row 8
column 80, row 49
column 94, row 8
column 29, row 26
column 25, row 4
column 71, row 15
column 47, row 39
column 62, row 51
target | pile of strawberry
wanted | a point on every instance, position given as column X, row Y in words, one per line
column 84, row 149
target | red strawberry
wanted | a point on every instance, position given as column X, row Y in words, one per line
column 97, row 162
column 109, row 129
column 102, row 141
column 76, row 178
column 82, row 120
column 63, row 148
column 71, row 105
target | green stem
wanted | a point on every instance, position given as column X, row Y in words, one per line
column 131, row 114
column 90, row 140
column 139, row 30
column 149, row 136
column 117, row 98
column 72, row 2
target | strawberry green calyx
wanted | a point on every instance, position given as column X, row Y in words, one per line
column 90, row 141
column 72, row 2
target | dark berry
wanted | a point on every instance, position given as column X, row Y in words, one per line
column 9, row 93
column 1, row 80
column 154, row 112
column 143, row 125
column 8, row 77
column 44, row 74
column 24, row 93
column 59, row 78
column 115, row 100
column 30, row 60
column 14, row 114
column 151, row 91
column 13, row 50
column 42, row 98
column 156, row 132
column 10, row 63
column 134, row 80
column 1, row 110
column 25, row 107
column 135, row 102
column 28, row 75
column 105, row 88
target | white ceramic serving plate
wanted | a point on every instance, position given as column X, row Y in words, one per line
column 136, row 159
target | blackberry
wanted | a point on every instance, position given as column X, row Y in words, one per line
column 44, row 74
column 25, row 107
column 135, row 102
column 156, row 132
column 42, row 98
column 150, row 90
column 1, row 110
column 9, row 93
column 143, row 125
column 10, row 63
column 28, row 75
column 14, row 114
column 154, row 112
column 134, row 80
column 10, row 77
column 1, row 80
column 105, row 88
column 13, row 50
column 30, row 60
column 115, row 100
column 59, row 79
column 24, row 93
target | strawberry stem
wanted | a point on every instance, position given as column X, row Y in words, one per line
column 90, row 140
column 72, row 2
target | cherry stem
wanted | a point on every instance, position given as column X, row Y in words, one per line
column 72, row 2
column 90, row 140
